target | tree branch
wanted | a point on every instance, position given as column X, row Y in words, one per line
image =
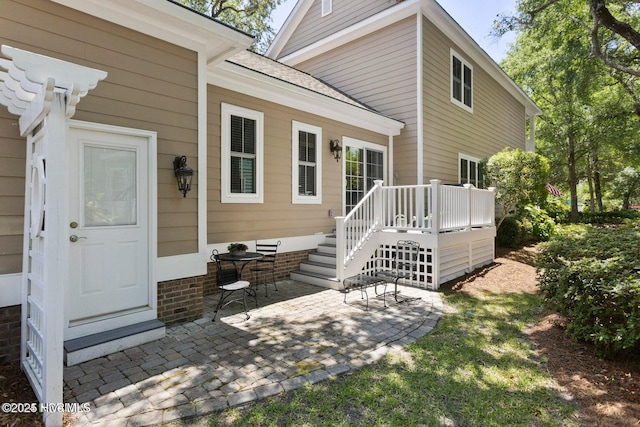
column 599, row 10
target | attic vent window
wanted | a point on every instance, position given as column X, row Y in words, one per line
column 327, row 7
column 461, row 82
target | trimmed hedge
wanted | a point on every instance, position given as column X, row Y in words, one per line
column 590, row 275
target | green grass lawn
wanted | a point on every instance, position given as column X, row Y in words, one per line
column 476, row 368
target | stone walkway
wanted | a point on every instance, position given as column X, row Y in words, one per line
column 300, row 334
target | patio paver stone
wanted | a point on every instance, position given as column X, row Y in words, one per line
column 300, row 334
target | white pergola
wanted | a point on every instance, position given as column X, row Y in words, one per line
column 44, row 92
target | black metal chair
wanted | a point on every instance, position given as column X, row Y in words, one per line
column 404, row 264
column 266, row 264
column 229, row 283
column 364, row 281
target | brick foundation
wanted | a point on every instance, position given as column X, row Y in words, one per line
column 180, row 300
column 10, row 334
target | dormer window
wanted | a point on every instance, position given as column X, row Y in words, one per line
column 327, row 7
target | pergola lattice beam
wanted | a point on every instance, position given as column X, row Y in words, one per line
column 29, row 80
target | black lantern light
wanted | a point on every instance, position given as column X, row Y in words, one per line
column 183, row 174
column 336, row 149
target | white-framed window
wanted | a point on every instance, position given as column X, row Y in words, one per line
column 242, row 155
column 461, row 82
column 470, row 170
column 327, row 7
column 306, row 158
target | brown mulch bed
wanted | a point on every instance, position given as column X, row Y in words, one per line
column 607, row 392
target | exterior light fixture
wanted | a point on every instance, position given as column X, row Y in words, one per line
column 183, row 174
column 336, row 149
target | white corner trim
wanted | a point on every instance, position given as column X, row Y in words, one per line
column 10, row 289
column 202, row 151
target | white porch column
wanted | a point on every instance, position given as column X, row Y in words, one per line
column 43, row 92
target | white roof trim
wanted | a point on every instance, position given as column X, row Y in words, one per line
column 170, row 22
column 27, row 86
column 367, row 26
column 255, row 84
column 286, row 30
column 429, row 8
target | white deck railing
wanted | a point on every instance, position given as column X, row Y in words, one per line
column 432, row 208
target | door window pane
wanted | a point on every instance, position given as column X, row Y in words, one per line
column 110, row 186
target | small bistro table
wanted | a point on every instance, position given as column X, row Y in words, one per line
column 240, row 261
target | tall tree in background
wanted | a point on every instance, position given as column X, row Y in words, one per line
column 588, row 113
column 609, row 28
column 556, row 71
column 250, row 16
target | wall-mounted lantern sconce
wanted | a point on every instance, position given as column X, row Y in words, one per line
column 336, row 149
column 183, row 174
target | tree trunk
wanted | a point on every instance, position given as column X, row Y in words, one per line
column 597, row 181
column 573, row 179
column 592, row 197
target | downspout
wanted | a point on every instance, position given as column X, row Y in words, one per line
column 419, row 101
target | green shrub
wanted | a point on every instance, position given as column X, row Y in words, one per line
column 509, row 233
column 589, row 275
column 608, row 217
column 538, row 225
column 558, row 210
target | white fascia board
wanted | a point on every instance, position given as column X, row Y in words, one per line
column 169, row 22
column 367, row 26
column 239, row 79
column 290, row 24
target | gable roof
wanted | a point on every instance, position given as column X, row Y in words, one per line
column 261, row 77
column 429, row 8
column 288, row 74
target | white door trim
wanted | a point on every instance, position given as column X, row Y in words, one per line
column 151, row 313
column 359, row 143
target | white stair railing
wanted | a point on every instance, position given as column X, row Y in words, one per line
column 432, row 208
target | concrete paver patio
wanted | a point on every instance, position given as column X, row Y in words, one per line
column 299, row 334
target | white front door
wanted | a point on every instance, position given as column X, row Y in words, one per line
column 109, row 232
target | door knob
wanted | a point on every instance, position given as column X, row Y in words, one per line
column 75, row 238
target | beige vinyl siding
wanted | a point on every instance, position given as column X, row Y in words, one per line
column 151, row 85
column 381, row 71
column 277, row 216
column 497, row 120
column 12, row 168
column 314, row 26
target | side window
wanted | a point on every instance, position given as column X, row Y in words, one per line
column 306, row 160
column 461, row 82
column 471, row 171
column 327, row 7
column 242, row 155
